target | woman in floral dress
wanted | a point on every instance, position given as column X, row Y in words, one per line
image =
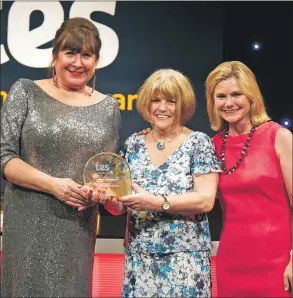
column 175, row 175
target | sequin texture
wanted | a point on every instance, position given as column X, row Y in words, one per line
column 48, row 246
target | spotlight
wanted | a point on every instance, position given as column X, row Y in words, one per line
column 286, row 122
column 256, row 46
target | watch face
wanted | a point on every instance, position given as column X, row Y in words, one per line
column 166, row 206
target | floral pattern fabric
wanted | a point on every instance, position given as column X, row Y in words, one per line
column 183, row 274
column 159, row 234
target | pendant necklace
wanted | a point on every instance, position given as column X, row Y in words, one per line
column 161, row 144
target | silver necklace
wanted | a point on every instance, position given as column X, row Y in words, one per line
column 161, row 144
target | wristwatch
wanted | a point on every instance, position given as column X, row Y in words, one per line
column 166, row 204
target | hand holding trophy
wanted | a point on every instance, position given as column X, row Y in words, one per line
column 107, row 175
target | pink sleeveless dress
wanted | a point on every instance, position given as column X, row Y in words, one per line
column 256, row 238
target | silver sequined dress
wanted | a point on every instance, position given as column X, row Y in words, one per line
column 48, row 246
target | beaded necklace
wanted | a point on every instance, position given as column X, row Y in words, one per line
column 243, row 153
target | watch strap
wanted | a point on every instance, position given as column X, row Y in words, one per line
column 165, row 199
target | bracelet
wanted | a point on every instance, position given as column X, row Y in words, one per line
column 291, row 252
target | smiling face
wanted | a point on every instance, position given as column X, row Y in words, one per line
column 230, row 102
column 163, row 112
column 75, row 51
column 75, row 68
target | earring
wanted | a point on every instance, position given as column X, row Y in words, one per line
column 54, row 76
column 94, row 83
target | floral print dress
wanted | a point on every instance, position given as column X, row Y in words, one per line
column 168, row 255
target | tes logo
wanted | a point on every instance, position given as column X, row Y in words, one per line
column 23, row 43
column 102, row 168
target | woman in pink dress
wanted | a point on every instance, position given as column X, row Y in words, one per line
column 255, row 188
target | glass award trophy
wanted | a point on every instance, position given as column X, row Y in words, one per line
column 108, row 171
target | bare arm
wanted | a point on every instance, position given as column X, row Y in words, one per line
column 20, row 173
column 284, row 151
column 205, row 168
column 201, row 200
column 283, row 147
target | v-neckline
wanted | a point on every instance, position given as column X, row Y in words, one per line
column 178, row 149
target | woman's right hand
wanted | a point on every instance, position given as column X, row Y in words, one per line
column 145, row 131
column 102, row 196
column 69, row 192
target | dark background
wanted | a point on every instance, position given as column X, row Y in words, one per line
column 193, row 37
column 271, row 24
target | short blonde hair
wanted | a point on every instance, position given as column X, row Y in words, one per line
column 172, row 84
column 248, row 84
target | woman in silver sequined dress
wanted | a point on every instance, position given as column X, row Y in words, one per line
column 50, row 128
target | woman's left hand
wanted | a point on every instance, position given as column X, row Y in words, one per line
column 142, row 200
column 96, row 196
column 288, row 282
